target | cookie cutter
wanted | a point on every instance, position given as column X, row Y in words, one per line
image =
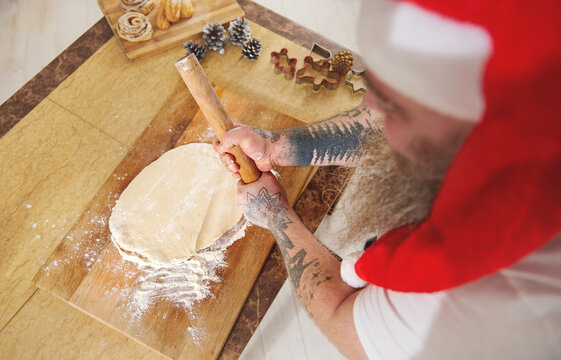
column 276, row 58
column 319, row 67
column 355, row 85
column 321, row 51
column 350, row 77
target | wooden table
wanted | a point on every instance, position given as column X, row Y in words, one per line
column 58, row 146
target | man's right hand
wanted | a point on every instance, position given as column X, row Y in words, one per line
column 256, row 143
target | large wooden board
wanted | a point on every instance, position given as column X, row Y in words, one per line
column 87, row 271
column 205, row 11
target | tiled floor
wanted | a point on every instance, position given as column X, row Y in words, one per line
column 33, row 32
column 288, row 332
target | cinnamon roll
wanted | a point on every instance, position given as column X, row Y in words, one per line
column 141, row 6
column 134, row 27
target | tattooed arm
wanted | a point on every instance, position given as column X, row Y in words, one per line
column 335, row 141
column 313, row 269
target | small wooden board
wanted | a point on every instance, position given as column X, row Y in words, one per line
column 87, row 271
column 205, row 11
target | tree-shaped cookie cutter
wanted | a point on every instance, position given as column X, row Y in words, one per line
column 320, row 67
column 323, row 52
column 288, row 71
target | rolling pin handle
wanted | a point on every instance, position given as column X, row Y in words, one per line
column 248, row 170
column 203, row 92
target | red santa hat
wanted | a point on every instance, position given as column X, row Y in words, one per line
column 497, row 63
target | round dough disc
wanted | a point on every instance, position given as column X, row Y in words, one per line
column 180, row 203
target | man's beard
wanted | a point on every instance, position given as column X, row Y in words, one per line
column 386, row 191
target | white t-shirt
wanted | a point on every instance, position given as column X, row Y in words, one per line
column 512, row 314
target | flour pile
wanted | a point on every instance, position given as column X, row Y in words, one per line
column 185, row 283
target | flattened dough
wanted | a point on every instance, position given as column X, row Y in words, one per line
column 180, row 203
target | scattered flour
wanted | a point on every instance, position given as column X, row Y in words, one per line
column 181, row 285
column 197, row 334
column 185, row 283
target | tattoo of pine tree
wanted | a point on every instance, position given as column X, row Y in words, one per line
column 296, row 266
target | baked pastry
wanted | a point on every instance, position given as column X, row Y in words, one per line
column 134, row 27
column 141, row 6
column 170, row 11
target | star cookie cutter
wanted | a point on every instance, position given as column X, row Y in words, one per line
column 319, row 67
column 355, row 80
column 276, row 58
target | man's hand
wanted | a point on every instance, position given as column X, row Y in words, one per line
column 255, row 143
column 264, row 202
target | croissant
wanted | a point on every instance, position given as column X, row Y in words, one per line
column 171, row 11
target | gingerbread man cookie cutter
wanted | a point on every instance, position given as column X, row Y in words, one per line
column 354, row 79
column 288, row 71
column 320, row 67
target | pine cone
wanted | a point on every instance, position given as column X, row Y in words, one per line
column 342, row 62
column 213, row 36
column 194, row 47
column 239, row 31
column 251, row 49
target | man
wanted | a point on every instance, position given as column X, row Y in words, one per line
column 464, row 202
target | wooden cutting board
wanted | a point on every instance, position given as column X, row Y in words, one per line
column 205, row 11
column 87, row 271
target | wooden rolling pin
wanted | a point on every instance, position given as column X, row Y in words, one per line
column 196, row 80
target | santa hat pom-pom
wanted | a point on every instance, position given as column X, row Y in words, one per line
column 348, row 273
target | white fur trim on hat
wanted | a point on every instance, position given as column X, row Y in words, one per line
column 434, row 60
column 348, row 273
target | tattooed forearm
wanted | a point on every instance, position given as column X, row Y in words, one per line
column 312, row 268
column 334, row 141
column 268, row 211
column 306, row 273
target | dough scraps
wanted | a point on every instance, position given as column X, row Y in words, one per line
column 180, row 203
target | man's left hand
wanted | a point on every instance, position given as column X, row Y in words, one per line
column 264, row 202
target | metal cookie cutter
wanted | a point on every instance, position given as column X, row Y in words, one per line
column 320, row 50
column 289, row 71
column 355, row 80
column 321, row 67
